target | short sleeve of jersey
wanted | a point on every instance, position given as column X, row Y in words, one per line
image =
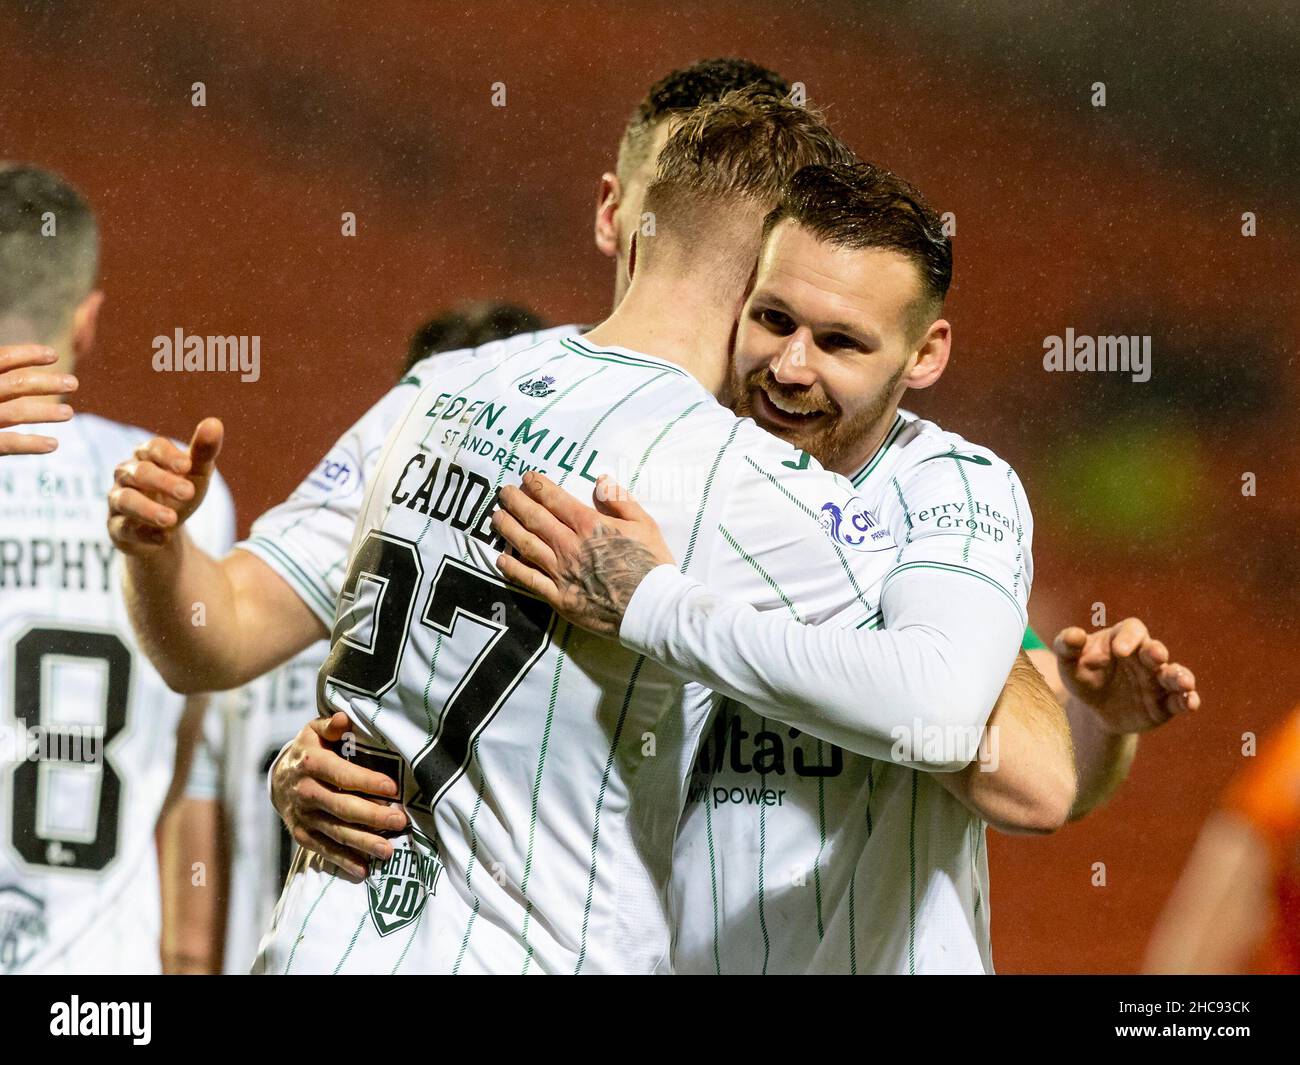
column 957, row 507
column 797, row 538
column 306, row 538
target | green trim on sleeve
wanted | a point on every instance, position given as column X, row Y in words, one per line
column 1032, row 642
column 951, row 568
column 313, row 592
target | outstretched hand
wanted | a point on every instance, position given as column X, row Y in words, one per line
column 26, row 386
column 1125, row 676
column 159, row 487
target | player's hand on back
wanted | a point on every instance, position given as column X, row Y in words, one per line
column 1125, row 676
column 586, row 563
column 312, row 790
column 26, row 384
column 159, row 487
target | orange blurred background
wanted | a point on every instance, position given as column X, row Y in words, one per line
column 1125, row 219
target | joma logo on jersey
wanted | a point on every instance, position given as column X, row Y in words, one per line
column 538, row 387
column 854, row 526
column 400, row 887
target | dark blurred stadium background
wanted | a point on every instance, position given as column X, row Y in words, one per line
column 1118, row 220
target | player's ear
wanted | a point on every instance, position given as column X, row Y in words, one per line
column 609, row 196
column 932, row 352
column 85, row 320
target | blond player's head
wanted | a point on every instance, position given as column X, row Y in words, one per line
column 717, row 176
column 619, row 200
column 49, row 258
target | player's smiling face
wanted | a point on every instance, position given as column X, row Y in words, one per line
column 824, row 347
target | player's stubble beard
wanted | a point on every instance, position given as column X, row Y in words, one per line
column 832, row 439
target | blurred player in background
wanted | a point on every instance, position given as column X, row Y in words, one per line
column 90, row 728
column 1236, row 908
column 35, row 376
column 224, row 819
column 471, row 325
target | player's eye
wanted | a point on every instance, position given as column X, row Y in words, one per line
column 776, row 321
column 837, row 342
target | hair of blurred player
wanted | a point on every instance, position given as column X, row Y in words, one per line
column 682, row 91
column 49, row 258
column 470, row 325
column 720, row 171
column 859, row 205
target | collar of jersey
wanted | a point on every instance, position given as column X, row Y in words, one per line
column 627, row 356
column 879, row 453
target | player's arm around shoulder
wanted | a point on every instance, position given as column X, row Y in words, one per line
column 785, row 617
column 1024, row 780
column 965, row 529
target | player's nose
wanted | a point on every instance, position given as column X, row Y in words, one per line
column 793, row 364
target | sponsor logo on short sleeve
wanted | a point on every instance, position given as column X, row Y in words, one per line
column 336, row 474
column 854, row 526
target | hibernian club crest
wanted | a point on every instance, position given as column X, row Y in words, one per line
column 538, row 387
column 400, row 886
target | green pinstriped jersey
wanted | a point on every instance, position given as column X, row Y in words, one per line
column 796, row 856
column 545, row 769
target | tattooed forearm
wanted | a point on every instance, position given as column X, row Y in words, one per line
column 600, row 582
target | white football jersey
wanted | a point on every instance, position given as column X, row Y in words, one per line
column 89, row 726
column 243, row 733
column 796, row 856
column 545, row 768
column 306, row 538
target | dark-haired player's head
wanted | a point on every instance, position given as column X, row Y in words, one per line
column 717, row 176
column 470, row 325
column 618, row 205
column 49, row 258
column 845, row 312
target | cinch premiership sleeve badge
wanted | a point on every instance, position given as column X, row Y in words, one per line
column 854, row 526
